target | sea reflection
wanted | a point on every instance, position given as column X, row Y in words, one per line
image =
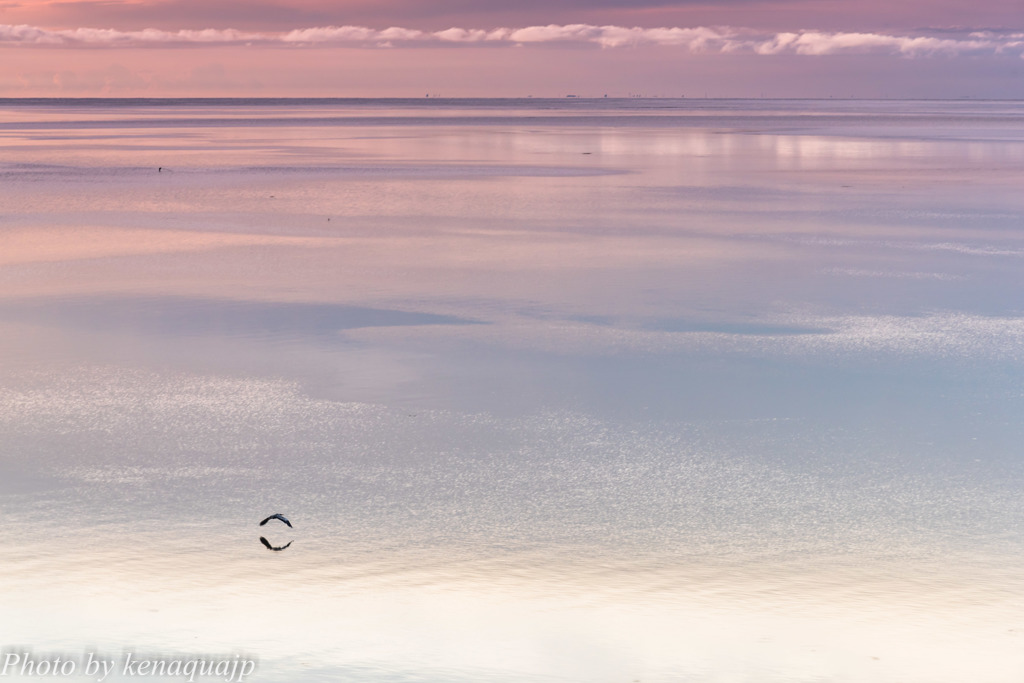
column 650, row 391
column 180, row 316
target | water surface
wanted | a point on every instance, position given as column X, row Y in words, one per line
column 589, row 390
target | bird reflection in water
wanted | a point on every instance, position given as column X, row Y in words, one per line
column 267, row 545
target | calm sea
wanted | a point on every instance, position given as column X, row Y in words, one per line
column 550, row 390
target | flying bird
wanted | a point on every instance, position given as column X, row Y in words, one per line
column 277, row 516
column 266, row 543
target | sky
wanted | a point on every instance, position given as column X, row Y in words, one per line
column 486, row 48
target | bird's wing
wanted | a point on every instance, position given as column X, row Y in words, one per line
column 277, row 516
column 266, row 543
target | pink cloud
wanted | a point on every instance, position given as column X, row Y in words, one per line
column 819, row 43
column 462, row 35
column 331, row 34
column 701, row 40
column 436, row 15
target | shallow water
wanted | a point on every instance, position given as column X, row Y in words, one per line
column 555, row 391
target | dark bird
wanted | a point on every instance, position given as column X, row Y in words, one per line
column 266, row 544
column 277, row 516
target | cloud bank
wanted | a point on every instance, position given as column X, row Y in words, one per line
column 702, row 40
